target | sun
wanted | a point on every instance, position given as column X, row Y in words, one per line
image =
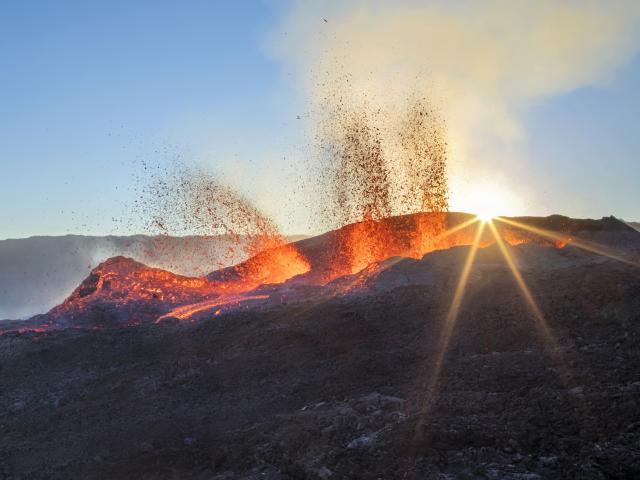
column 486, row 216
column 488, row 204
column 487, row 200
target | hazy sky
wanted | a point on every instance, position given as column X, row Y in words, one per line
column 90, row 90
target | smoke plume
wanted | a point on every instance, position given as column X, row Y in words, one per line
column 481, row 64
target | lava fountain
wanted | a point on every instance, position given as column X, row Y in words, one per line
column 192, row 200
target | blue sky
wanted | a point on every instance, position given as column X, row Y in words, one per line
column 584, row 148
column 89, row 89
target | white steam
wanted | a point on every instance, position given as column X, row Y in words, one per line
column 483, row 62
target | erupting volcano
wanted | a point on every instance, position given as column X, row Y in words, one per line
column 121, row 291
column 398, row 343
column 306, row 257
column 385, row 346
column 386, row 190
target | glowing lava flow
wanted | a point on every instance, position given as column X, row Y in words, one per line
column 186, row 311
column 371, row 241
column 447, row 330
column 272, row 265
column 364, row 243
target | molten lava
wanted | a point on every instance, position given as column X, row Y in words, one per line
column 354, row 247
column 123, row 292
column 187, row 311
column 275, row 265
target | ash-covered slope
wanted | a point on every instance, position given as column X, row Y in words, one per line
column 351, row 385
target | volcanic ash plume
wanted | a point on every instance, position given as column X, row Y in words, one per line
column 189, row 200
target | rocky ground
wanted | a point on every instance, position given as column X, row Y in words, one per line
column 337, row 386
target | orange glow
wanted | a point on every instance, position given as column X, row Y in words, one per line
column 276, row 264
column 122, row 280
column 370, row 241
column 270, row 266
column 124, row 283
column 43, row 329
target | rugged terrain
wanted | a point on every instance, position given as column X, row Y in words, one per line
column 335, row 380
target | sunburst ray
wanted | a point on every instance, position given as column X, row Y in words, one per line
column 431, row 383
column 457, row 228
column 526, row 293
column 549, row 338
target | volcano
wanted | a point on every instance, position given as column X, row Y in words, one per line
column 122, row 291
column 431, row 345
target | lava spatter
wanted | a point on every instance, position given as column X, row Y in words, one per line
column 190, row 200
column 422, row 135
column 378, row 162
column 356, row 171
